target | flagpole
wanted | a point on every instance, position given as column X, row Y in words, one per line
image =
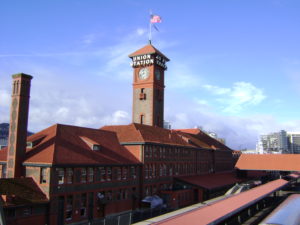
column 150, row 33
column 150, row 27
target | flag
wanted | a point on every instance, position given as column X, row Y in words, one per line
column 155, row 19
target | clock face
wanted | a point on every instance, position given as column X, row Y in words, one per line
column 157, row 74
column 144, row 73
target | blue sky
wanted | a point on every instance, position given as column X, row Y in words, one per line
column 234, row 69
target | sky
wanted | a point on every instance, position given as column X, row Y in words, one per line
column 234, row 65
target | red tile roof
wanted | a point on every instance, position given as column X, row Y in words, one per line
column 223, row 209
column 199, row 137
column 148, row 49
column 63, row 144
column 140, row 133
column 21, row 191
column 212, row 181
column 279, row 162
column 194, row 140
column 135, row 133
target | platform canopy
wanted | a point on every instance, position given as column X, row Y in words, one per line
column 270, row 162
column 221, row 210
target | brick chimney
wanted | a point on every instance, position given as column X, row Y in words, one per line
column 18, row 124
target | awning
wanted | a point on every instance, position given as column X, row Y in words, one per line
column 211, row 181
column 293, row 175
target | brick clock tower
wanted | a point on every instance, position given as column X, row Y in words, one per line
column 149, row 67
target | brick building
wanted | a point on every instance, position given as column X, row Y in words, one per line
column 81, row 174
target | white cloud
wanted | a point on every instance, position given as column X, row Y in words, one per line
column 216, row 90
column 4, row 98
column 141, row 31
column 116, row 118
column 89, row 39
column 239, row 132
column 238, row 97
column 202, row 102
column 180, row 76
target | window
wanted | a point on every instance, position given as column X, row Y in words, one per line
column 61, row 175
column 125, row 194
column 29, row 144
column 69, row 207
column 154, row 152
column 27, row 211
column 160, row 170
column 154, row 189
column 69, row 174
column 133, row 172
column 83, row 175
column 150, row 171
column 3, row 175
column 124, row 173
column 171, row 170
column 142, row 119
column 146, row 151
column 108, row 173
column 10, row 213
column 83, row 205
column 164, row 170
column 96, row 147
column 118, row 194
column 43, row 175
column 90, row 174
column 119, row 173
column 101, row 195
column 102, row 173
column 146, row 171
column 142, row 94
column 109, row 195
column 150, row 151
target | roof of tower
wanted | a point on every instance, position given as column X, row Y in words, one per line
column 148, row 49
column 64, row 144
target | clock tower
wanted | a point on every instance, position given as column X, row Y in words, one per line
column 149, row 67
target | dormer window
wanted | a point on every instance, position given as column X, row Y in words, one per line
column 29, row 144
column 33, row 143
column 93, row 145
column 96, row 147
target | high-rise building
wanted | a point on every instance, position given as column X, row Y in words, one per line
column 294, row 142
column 279, row 142
column 274, row 142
